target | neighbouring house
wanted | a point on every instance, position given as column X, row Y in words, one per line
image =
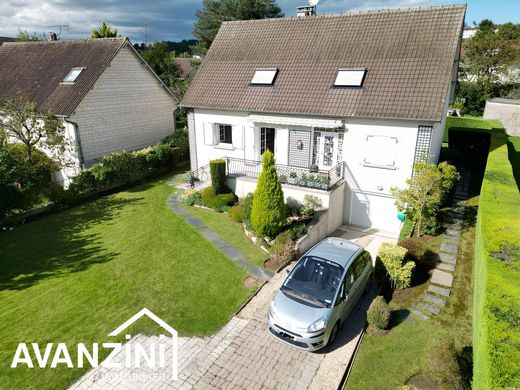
column 6, row 39
column 107, row 96
column 507, row 111
column 348, row 103
column 185, row 66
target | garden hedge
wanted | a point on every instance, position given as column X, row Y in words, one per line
column 496, row 317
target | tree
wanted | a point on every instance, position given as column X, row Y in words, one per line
column 22, row 121
column 214, row 12
column 160, row 58
column 103, row 31
column 425, row 192
column 269, row 212
column 25, row 36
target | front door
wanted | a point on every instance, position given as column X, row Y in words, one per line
column 327, row 156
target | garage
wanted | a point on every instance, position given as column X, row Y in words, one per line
column 373, row 210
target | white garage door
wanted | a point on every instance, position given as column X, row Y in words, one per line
column 370, row 210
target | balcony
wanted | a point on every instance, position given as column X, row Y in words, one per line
column 297, row 176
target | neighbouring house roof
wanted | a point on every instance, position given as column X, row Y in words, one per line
column 184, row 65
column 37, row 70
column 6, row 39
column 409, row 55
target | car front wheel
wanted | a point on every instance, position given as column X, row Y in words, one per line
column 333, row 333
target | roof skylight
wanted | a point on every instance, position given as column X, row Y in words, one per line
column 72, row 75
column 264, row 76
column 352, row 77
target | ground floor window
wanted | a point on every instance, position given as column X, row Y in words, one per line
column 266, row 139
column 225, row 134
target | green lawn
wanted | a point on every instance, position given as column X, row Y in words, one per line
column 471, row 123
column 76, row 275
column 232, row 232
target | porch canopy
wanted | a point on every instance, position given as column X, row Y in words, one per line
column 295, row 121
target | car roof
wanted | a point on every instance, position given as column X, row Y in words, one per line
column 336, row 249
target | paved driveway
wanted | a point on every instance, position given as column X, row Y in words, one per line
column 245, row 355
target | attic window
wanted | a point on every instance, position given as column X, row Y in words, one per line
column 352, row 77
column 72, row 75
column 264, row 76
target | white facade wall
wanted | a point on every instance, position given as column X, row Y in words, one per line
column 366, row 197
column 127, row 109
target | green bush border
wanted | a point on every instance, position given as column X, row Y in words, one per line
column 497, row 285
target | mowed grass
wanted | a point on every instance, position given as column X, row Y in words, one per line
column 231, row 231
column 76, row 275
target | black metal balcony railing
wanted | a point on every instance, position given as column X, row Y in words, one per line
column 302, row 177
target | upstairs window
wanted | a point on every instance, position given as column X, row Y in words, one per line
column 72, row 75
column 264, row 76
column 353, row 77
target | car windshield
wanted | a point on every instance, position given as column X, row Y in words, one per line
column 313, row 281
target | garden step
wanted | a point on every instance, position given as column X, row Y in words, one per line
column 210, row 234
column 194, row 221
column 454, row 225
column 219, row 242
column 439, row 290
column 419, row 313
column 434, row 299
column 448, row 258
column 448, row 247
column 261, row 273
column 232, row 252
column 442, row 278
column 428, row 307
column 446, row 267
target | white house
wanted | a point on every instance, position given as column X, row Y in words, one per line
column 107, row 96
column 347, row 103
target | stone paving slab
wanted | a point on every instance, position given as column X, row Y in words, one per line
column 210, row 234
column 232, row 252
column 261, row 273
column 446, row 267
column 439, row 290
column 448, row 247
column 419, row 313
column 246, row 263
column 434, row 299
column 186, row 216
column 454, row 225
column 454, row 231
column 220, row 242
column 194, row 222
column 442, row 278
column 201, row 227
column 451, row 240
column 428, row 307
column 180, row 210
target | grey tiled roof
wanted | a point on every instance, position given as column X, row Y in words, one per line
column 36, row 69
column 409, row 55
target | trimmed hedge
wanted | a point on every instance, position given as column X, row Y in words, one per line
column 393, row 259
column 496, row 317
column 218, row 202
column 217, row 170
column 378, row 314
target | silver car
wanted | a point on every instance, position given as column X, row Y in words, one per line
column 319, row 293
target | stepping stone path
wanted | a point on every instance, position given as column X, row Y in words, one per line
column 232, row 253
column 441, row 281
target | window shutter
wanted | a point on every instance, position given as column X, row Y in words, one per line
column 238, row 141
column 209, row 134
column 380, row 150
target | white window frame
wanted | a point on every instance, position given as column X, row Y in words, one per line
column 350, row 77
column 221, row 127
column 264, row 76
column 72, row 79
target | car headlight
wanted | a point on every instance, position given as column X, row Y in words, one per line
column 317, row 325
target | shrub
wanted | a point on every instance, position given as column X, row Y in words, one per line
column 415, row 247
column 191, row 197
column 392, row 257
column 283, row 246
column 268, row 213
column 378, row 314
column 297, row 229
column 237, row 213
column 217, row 202
column 248, row 205
column 310, row 204
column 217, row 169
column 179, row 140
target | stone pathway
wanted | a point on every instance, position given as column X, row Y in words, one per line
column 232, row 253
column 441, row 281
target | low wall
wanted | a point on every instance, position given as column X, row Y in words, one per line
column 507, row 112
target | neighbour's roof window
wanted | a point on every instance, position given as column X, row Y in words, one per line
column 350, row 77
column 264, row 76
column 72, row 75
